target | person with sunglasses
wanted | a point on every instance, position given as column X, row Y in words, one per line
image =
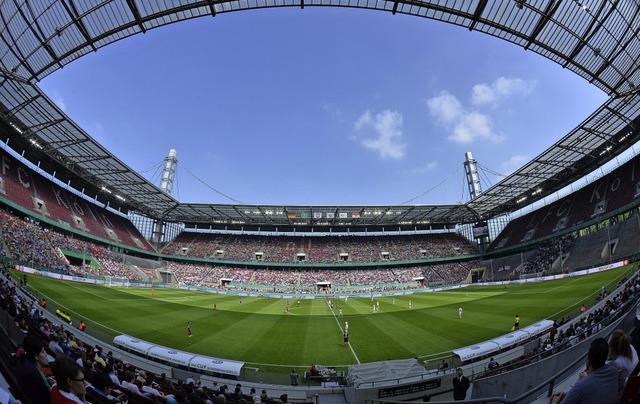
column 70, row 385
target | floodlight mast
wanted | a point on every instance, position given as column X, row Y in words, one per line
column 166, row 185
column 169, row 172
column 473, row 179
column 475, row 189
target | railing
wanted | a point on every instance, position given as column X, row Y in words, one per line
column 523, row 398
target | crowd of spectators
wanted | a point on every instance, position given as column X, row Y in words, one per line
column 319, row 249
column 545, row 254
column 35, row 244
column 308, row 280
column 590, row 323
column 27, row 241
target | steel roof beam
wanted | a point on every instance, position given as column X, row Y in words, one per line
column 72, row 10
column 482, row 4
column 589, row 33
column 17, row 53
column 136, row 14
column 36, row 33
column 622, row 117
column 608, row 61
column 212, row 7
column 545, row 17
column 65, row 143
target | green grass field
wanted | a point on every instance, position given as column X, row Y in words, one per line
column 258, row 331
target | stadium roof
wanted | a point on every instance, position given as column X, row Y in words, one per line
column 597, row 40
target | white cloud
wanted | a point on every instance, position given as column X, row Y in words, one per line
column 387, row 128
column 445, row 107
column 500, row 89
column 466, row 126
column 474, row 125
column 514, row 163
column 424, row 169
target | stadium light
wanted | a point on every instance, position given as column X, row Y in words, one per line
column 625, row 136
column 36, row 144
column 14, row 126
column 606, row 150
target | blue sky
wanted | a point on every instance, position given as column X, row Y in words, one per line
column 321, row 106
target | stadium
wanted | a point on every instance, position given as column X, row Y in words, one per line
column 331, row 303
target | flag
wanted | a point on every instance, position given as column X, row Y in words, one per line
column 291, row 215
column 355, row 214
column 331, row 215
column 317, row 215
column 342, row 215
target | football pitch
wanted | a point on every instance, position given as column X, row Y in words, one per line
column 260, row 333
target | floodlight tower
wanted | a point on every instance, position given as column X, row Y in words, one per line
column 169, row 172
column 473, row 179
column 480, row 229
column 166, row 184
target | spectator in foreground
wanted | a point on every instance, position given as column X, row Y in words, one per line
column 113, row 374
column 148, row 387
column 180, row 397
column 622, row 352
column 101, row 390
column 601, row 383
column 31, row 379
column 128, row 382
column 69, row 387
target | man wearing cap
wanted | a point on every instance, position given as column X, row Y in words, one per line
column 460, row 385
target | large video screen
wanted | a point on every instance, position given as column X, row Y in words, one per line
column 480, row 229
